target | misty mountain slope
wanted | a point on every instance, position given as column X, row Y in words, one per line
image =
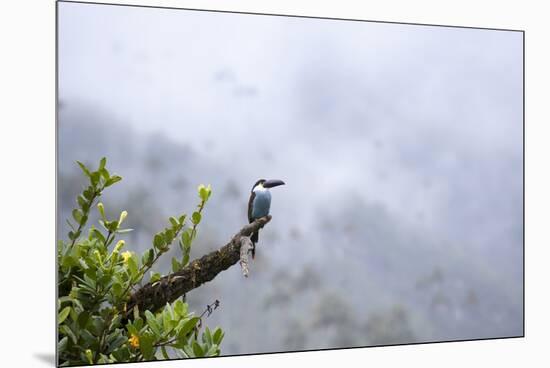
column 334, row 267
column 450, row 283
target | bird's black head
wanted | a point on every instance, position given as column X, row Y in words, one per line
column 261, row 181
column 268, row 183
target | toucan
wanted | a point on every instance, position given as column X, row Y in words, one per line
column 259, row 203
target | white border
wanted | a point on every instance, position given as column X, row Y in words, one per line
column 27, row 181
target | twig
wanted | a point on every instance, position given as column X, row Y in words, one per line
column 210, row 308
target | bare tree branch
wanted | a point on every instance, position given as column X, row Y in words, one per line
column 154, row 296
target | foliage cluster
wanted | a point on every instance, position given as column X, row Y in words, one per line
column 96, row 279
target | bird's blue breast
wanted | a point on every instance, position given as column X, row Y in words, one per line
column 261, row 204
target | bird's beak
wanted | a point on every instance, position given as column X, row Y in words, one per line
column 273, row 183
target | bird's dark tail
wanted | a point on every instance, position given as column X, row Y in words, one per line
column 254, row 239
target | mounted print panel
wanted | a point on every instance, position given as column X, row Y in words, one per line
column 234, row 183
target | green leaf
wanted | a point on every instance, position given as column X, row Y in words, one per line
column 196, row 218
column 174, row 222
column 68, row 261
column 74, row 235
column 115, row 322
column 152, row 323
column 185, row 259
column 180, row 342
column 95, row 177
column 169, row 236
column 77, row 215
column 63, row 314
column 164, row 353
column 207, row 336
column 65, row 330
column 158, row 241
column 87, row 336
column 83, row 220
column 182, row 219
column 132, row 265
column 189, row 351
column 84, row 168
column 62, row 344
column 117, row 289
column 180, row 308
column 213, row 351
column 101, row 210
column 103, row 224
column 65, row 299
column 138, row 321
column 185, row 245
column 122, row 217
column 146, row 346
column 112, row 180
column 98, row 235
column 83, row 202
column 203, row 192
column 88, row 193
column 132, row 329
column 90, row 280
column 188, row 326
column 197, row 349
column 175, row 265
column 121, row 355
column 217, row 337
column 103, row 359
column 89, row 356
column 167, row 320
column 70, row 224
column 116, row 343
column 112, row 226
column 155, row 276
column 168, row 309
column 104, row 174
column 83, row 263
column 147, row 257
column 186, row 238
column 102, row 163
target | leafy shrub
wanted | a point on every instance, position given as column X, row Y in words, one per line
column 96, row 279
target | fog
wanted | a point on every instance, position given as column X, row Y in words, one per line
column 401, row 147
